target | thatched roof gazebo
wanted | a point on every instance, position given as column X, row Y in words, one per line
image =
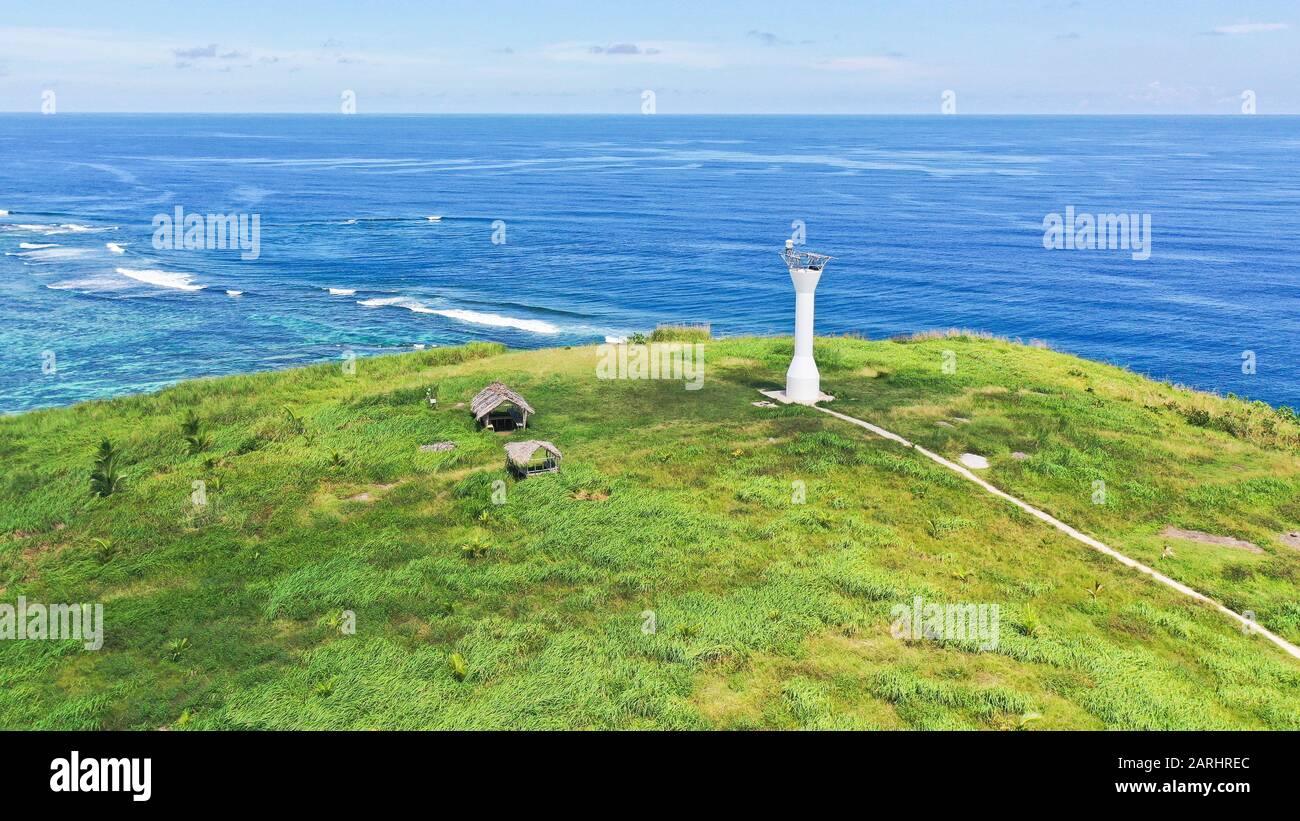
column 523, row 461
column 486, row 407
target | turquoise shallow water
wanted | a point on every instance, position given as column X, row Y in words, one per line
column 612, row 224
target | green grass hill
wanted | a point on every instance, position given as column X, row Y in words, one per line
column 698, row 562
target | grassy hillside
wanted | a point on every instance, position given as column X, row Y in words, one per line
column 768, row 613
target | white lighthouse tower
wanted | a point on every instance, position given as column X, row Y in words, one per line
column 802, row 381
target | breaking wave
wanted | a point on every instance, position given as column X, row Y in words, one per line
column 536, row 326
column 162, row 279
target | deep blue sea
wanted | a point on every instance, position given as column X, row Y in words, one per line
column 614, row 224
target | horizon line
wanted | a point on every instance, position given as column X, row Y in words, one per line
column 930, row 115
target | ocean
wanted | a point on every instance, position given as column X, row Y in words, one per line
column 558, row 230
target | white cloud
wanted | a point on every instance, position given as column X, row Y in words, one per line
column 883, row 64
column 209, row 50
column 98, row 54
column 696, row 55
column 767, row 38
column 1250, row 28
column 1159, row 94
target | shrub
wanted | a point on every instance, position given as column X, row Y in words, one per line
column 681, row 333
column 1237, row 572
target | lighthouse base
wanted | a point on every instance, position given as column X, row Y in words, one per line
column 785, row 399
column 802, row 381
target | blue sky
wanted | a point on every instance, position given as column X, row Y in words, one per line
column 1044, row 57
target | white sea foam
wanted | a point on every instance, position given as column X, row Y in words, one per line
column 400, row 301
column 36, row 246
column 115, row 247
column 61, row 228
column 93, row 284
column 3, row 213
column 78, row 228
column 536, row 326
column 434, row 219
column 341, row 291
column 615, row 340
column 163, row 279
column 54, row 252
column 234, row 293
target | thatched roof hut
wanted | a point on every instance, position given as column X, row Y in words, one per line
column 485, row 407
column 521, row 457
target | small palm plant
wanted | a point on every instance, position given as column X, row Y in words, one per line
column 192, row 432
column 295, row 422
column 1095, row 590
column 334, row 620
column 104, row 549
column 475, row 548
column 1030, row 624
column 106, row 478
column 1026, row 720
column 459, row 667
column 298, row 427
column 176, row 648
